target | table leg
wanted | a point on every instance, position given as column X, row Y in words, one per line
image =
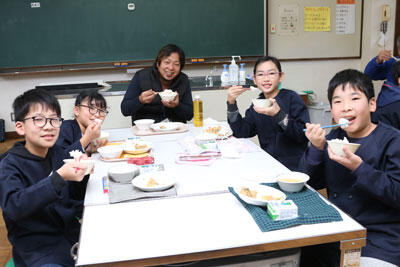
column 351, row 252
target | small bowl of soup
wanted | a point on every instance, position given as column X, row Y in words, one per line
column 292, row 181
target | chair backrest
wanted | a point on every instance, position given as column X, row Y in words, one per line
column 5, row 246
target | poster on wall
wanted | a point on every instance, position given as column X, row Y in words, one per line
column 288, row 20
column 345, row 17
column 317, row 19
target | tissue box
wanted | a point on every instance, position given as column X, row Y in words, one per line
column 282, row 210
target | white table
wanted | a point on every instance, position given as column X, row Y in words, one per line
column 257, row 166
column 204, row 221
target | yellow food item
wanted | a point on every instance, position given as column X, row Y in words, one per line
column 140, row 146
column 290, row 180
column 247, row 192
column 213, row 130
column 267, row 198
column 151, row 182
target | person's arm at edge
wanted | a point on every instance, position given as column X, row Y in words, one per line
column 376, row 71
column 19, row 204
column 130, row 103
column 382, row 185
column 241, row 127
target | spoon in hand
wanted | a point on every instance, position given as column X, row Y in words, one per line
column 343, row 123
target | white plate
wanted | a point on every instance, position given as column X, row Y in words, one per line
column 165, row 126
column 164, row 179
column 220, row 131
column 131, row 147
column 262, row 190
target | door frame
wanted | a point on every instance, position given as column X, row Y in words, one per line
column 396, row 28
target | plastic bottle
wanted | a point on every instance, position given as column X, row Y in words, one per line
column 234, row 72
column 242, row 74
column 197, row 111
column 225, row 76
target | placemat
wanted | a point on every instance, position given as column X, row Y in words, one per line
column 182, row 128
column 311, row 209
column 119, row 192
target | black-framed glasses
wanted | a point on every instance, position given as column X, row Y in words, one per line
column 94, row 110
column 41, row 121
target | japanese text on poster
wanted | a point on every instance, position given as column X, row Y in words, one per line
column 345, row 17
column 288, row 19
column 317, row 19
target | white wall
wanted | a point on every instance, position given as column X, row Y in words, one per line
column 300, row 75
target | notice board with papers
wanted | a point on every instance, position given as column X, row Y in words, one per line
column 314, row 29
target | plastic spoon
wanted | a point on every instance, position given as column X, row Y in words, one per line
column 343, row 123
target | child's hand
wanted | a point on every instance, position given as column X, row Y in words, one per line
column 171, row 104
column 93, row 131
column 383, row 56
column 316, row 135
column 147, row 96
column 271, row 110
column 73, row 171
column 93, row 146
column 351, row 161
column 234, row 92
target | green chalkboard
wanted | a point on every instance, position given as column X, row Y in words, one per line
column 63, row 32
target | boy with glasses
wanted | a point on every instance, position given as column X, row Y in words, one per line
column 40, row 195
column 79, row 134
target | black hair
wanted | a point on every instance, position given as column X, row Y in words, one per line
column 355, row 79
column 396, row 72
column 267, row 58
column 98, row 98
column 24, row 102
column 167, row 50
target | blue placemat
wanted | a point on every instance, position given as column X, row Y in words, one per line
column 311, row 209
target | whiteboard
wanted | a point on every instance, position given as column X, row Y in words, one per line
column 298, row 29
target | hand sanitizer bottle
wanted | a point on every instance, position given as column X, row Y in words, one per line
column 225, row 76
column 242, row 75
column 234, row 72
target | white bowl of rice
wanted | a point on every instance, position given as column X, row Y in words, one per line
column 337, row 145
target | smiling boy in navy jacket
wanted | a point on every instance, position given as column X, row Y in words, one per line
column 364, row 184
column 39, row 194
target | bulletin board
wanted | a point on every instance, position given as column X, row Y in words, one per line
column 314, row 29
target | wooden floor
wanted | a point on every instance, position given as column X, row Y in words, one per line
column 5, row 247
column 8, row 143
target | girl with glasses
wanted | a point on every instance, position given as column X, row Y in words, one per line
column 280, row 125
column 79, row 134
